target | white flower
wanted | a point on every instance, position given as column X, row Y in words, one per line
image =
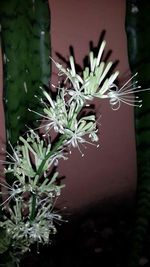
column 94, row 78
column 19, row 162
column 12, row 191
column 93, row 82
column 79, row 96
column 125, row 94
column 79, row 130
column 71, row 74
column 28, row 156
column 38, row 148
column 55, row 113
column 37, row 231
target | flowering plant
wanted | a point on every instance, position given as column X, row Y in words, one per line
column 28, row 209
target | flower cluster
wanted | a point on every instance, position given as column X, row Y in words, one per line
column 33, row 193
column 97, row 82
column 30, row 215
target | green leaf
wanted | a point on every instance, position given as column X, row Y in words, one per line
column 26, row 50
column 4, row 241
column 138, row 39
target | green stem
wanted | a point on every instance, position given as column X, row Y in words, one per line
column 39, row 172
column 57, row 145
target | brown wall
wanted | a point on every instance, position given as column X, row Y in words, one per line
column 111, row 169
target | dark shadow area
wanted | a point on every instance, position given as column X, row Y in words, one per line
column 99, row 236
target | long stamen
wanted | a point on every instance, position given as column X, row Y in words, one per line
column 129, row 80
column 130, row 91
column 16, row 156
column 126, row 94
column 8, row 187
column 4, row 202
column 132, row 85
column 42, row 101
column 37, row 113
column 7, row 162
column 136, row 91
column 131, row 104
